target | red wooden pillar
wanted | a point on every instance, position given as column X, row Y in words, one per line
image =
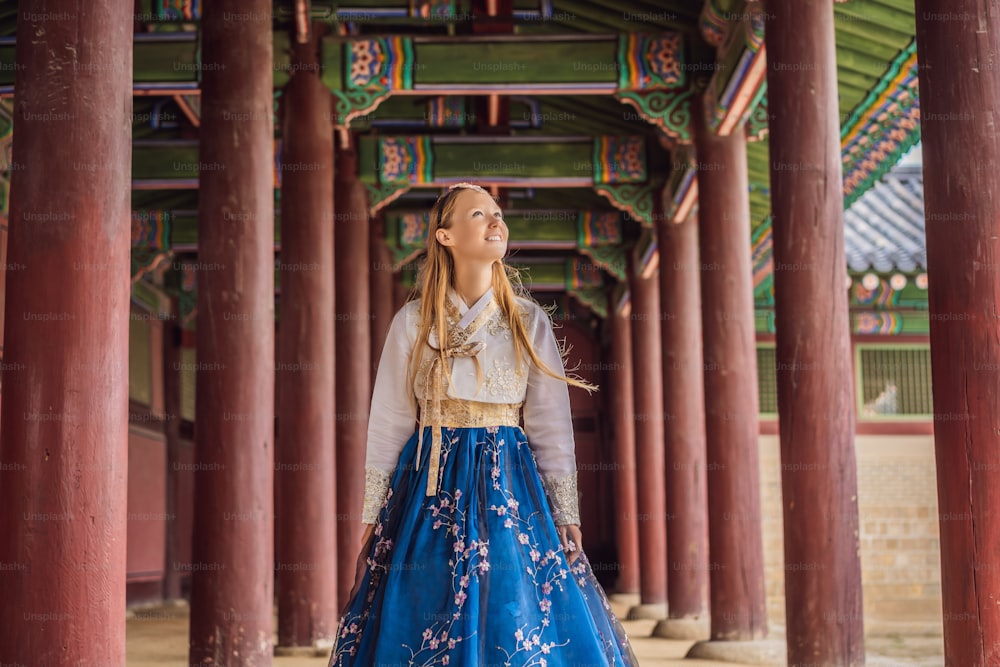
column 171, row 356
column 736, row 567
column 959, row 89
column 381, row 290
column 63, row 450
column 684, row 432
column 649, row 457
column 353, row 360
column 620, row 396
column 399, row 291
column 813, row 355
column 306, row 538
column 3, row 283
column 233, row 536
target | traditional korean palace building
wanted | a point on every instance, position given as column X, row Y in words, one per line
column 765, row 228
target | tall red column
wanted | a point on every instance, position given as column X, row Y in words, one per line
column 736, row 566
column 3, row 283
column 353, row 359
column 621, row 399
column 171, row 356
column 399, row 291
column 63, row 449
column 684, row 432
column 957, row 43
column 305, row 473
column 649, row 455
column 819, row 486
column 233, row 537
column 382, row 310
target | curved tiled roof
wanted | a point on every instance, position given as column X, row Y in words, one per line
column 884, row 228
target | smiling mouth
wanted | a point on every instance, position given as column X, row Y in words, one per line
column 495, row 237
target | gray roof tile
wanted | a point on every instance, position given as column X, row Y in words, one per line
column 884, row 228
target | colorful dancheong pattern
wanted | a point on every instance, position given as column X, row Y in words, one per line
column 583, row 273
column 883, row 127
column 178, row 10
column 651, row 61
column 619, row 159
column 599, row 228
column 380, row 63
column 413, row 229
column 433, row 9
column 446, row 111
column 713, row 24
column 878, row 323
column 150, row 229
column 407, row 160
column 761, row 252
column 882, row 296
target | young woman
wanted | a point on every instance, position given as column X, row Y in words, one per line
column 473, row 557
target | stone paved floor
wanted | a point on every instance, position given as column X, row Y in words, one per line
column 157, row 637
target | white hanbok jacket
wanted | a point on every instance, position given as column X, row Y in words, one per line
column 546, row 407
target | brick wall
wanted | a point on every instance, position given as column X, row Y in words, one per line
column 900, row 561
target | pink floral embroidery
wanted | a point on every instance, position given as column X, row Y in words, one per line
column 546, row 568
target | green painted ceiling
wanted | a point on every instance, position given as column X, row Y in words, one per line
column 869, row 34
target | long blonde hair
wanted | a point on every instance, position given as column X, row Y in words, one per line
column 436, row 274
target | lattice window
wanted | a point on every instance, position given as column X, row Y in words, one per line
column 894, row 381
column 767, row 384
column 140, row 376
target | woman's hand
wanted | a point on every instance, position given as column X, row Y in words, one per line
column 359, row 569
column 572, row 541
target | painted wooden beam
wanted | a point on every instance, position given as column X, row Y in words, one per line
column 594, row 233
column 163, row 63
column 163, row 239
column 615, row 166
column 364, row 71
column 424, row 13
column 175, row 165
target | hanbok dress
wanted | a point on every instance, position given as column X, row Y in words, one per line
column 465, row 566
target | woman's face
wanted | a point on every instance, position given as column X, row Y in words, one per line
column 477, row 231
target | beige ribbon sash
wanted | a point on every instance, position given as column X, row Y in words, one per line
column 438, row 378
column 430, row 414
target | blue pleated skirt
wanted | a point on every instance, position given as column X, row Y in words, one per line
column 475, row 576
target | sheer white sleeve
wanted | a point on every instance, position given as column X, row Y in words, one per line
column 392, row 418
column 548, row 424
